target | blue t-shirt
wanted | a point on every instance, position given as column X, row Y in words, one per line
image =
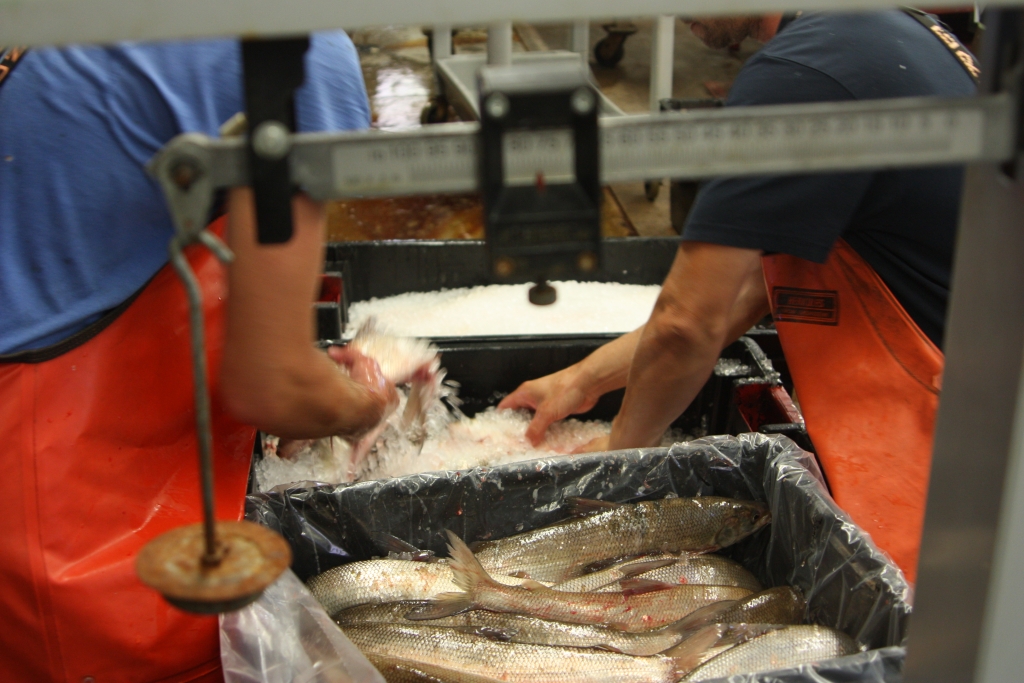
column 903, row 222
column 82, row 226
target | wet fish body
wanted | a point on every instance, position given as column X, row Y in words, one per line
column 516, row 628
column 397, row 670
column 609, row 578
column 775, row 605
column 510, row 662
column 376, row 581
column 778, row 649
column 624, row 611
column 563, row 551
column 708, row 570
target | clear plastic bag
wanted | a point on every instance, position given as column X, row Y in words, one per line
column 287, row 637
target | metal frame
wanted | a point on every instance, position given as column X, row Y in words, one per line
column 964, row 604
column 44, row 22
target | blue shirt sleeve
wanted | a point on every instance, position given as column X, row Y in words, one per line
column 82, row 226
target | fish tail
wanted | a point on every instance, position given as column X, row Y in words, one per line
column 443, row 605
column 467, row 572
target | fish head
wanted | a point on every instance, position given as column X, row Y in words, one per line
column 742, row 519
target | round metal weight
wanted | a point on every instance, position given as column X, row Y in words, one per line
column 251, row 558
column 542, row 294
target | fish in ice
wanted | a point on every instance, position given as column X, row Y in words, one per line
column 511, row 662
column 565, row 550
column 516, row 628
column 778, row 649
column 708, row 570
column 375, row 581
column 641, row 610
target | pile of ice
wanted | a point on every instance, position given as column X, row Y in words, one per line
column 453, row 442
column 501, row 310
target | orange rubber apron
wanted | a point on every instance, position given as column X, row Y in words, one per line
column 868, row 382
column 100, row 457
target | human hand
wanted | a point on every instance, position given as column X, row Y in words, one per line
column 553, row 397
column 598, row 445
column 381, row 395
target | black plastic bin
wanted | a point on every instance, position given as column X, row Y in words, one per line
column 810, row 544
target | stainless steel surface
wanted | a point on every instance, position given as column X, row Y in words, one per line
column 442, row 42
column 443, row 157
column 579, row 42
column 43, row 22
column 984, row 344
column 458, row 75
column 662, row 60
column 1001, row 658
column 499, row 43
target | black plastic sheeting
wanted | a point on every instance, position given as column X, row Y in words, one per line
column 810, row 544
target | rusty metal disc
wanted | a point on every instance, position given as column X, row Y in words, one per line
column 251, row 557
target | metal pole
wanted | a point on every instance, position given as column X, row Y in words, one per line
column 961, row 598
column 580, row 42
column 662, row 55
column 499, row 43
column 442, row 41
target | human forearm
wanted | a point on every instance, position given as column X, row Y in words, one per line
column 607, row 368
column 669, row 367
column 750, row 307
column 697, row 310
column 272, row 375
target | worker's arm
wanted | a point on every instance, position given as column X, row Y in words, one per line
column 709, row 294
column 576, row 388
column 272, row 375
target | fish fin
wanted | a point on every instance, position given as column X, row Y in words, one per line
column 581, row 507
column 698, row 643
column 530, row 584
column 443, row 605
column 736, row 634
column 400, row 550
column 641, row 586
column 467, row 572
column 638, row 568
column 490, row 632
column 701, row 617
column 518, row 574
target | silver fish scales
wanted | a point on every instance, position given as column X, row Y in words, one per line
column 516, row 628
column 376, row 581
column 511, row 662
column 781, row 649
column 565, row 550
column 707, row 570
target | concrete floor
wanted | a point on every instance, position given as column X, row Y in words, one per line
column 400, row 81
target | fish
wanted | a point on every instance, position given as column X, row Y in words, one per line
column 778, row 649
column 713, row 640
column 563, row 551
column 398, row 670
column 376, row 581
column 516, row 628
column 610, row 577
column 510, row 662
column 644, row 609
column 708, row 570
column 775, row 605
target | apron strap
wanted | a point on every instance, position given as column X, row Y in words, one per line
column 951, row 42
column 9, row 58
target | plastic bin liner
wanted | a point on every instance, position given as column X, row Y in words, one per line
column 811, row 544
column 287, row 637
